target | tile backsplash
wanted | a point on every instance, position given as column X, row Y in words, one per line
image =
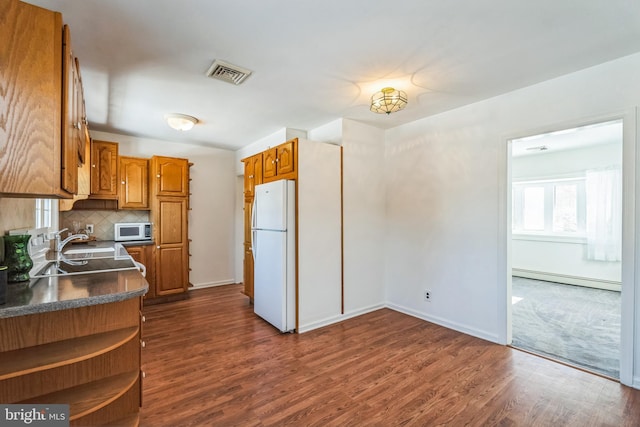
column 102, row 220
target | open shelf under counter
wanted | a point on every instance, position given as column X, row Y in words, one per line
column 48, row 356
column 87, row 357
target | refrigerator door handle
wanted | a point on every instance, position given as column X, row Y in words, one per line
column 254, row 204
column 253, row 226
column 254, row 238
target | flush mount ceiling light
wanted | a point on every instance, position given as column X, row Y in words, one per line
column 180, row 121
column 388, row 101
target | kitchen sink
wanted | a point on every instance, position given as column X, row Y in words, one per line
column 66, row 267
column 88, row 251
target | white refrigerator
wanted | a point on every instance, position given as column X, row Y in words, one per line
column 273, row 244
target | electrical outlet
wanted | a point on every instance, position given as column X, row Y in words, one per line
column 89, row 228
column 427, row 295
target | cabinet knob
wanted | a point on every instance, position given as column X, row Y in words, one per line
column 143, row 344
column 158, row 176
column 144, row 319
column 157, row 247
column 144, row 374
column 123, row 182
column 250, row 176
column 93, row 166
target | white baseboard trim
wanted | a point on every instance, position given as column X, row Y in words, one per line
column 636, row 383
column 445, row 323
column 433, row 319
column 338, row 318
column 212, row 284
column 608, row 285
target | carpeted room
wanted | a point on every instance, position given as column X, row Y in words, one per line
column 566, row 246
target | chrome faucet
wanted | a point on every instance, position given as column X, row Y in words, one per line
column 60, row 243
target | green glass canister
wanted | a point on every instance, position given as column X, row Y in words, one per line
column 16, row 257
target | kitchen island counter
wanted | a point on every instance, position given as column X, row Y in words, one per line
column 75, row 337
column 62, row 292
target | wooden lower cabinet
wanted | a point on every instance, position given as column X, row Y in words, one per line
column 248, row 253
column 248, row 271
column 86, row 357
column 171, row 276
column 145, row 254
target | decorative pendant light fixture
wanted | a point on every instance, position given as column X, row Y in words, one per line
column 180, row 122
column 388, row 101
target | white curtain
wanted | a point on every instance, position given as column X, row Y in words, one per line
column 604, row 214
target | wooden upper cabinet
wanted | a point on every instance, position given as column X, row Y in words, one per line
column 104, row 170
column 134, row 179
column 252, row 173
column 269, row 165
column 83, row 137
column 30, row 100
column 171, row 176
column 71, row 126
column 285, row 159
column 279, row 162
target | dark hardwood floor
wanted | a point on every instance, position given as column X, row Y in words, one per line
column 209, row 361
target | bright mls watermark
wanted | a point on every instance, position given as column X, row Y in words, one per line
column 34, row 415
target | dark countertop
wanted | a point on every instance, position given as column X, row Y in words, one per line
column 75, row 290
column 137, row 243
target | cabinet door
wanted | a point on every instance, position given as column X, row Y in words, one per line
column 171, row 176
column 134, row 178
column 70, row 123
column 144, row 255
column 137, row 253
column 171, row 277
column 252, row 173
column 284, row 158
column 81, row 114
column 172, row 256
column 104, row 170
column 248, row 271
column 30, row 134
column 269, row 167
column 279, row 162
column 150, row 257
column 248, row 254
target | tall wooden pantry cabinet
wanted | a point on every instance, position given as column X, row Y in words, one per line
column 169, row 200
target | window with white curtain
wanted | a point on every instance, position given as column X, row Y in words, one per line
column 604, row 214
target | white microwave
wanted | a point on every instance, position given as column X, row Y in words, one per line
column 128, row 231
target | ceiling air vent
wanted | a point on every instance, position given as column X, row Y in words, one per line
column 227, row 72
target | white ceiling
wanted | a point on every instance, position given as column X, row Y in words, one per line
column 569, row 139
column 316, row 61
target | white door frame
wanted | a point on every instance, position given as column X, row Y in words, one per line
column 630, row 294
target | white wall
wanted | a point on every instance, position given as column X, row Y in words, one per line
column 364, row 217
column 447, row 199
column 563, row 260
column 319, row 268
column 212, row 215
column 363, row 214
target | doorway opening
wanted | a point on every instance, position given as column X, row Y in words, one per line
column 566, row 245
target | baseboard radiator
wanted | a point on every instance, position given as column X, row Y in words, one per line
column 608, row 285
